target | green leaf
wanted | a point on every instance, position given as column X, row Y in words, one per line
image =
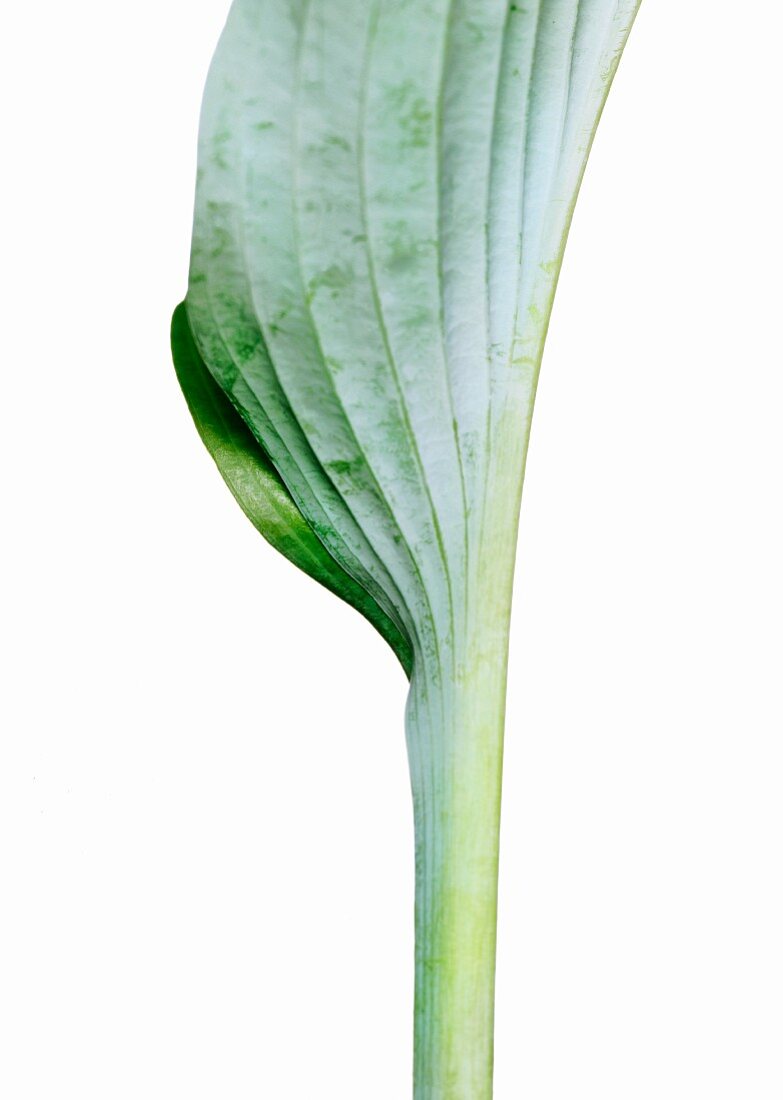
column 384, row 193
column 259, row 489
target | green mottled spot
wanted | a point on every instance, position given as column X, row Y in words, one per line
column 403, row 248
column 413, row 113
column 346, row 467
column 335, row 278
column 337, row 141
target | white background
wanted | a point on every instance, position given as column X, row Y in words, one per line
column 205, row 834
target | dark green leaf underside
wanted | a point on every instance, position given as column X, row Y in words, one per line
column 258, row 488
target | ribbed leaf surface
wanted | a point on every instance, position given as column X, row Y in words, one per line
column 383, row 196
column 257, row 486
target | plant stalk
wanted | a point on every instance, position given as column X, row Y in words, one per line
column 455, row 743
column 455, row 728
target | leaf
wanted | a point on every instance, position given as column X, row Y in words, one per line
column 384, row 192
column 258, row 488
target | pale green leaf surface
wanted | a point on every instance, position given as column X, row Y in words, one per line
column 384, row 191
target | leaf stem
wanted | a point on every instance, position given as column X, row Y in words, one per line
column 455, row 741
